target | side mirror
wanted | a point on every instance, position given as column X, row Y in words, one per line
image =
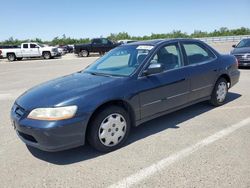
column 153, row 68
column 234, row 46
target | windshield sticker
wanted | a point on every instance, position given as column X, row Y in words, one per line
column 144, row 47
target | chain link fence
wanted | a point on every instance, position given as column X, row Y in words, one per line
column 224, row 39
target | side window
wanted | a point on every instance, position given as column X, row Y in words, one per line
column 25, row 46
column 104, row 41
column 197, row 53
column 33, row 45
column 169, row 56
column 96, row 41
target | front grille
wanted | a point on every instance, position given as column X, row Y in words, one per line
column 27, row 137
column 239, row 57
column 242, row 57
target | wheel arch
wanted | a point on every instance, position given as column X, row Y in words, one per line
column 45, row 52
column 226, row 77
column 119, row 102
column 10, row 53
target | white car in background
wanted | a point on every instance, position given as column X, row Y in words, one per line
column 126, row 41
column 61, row 50
column 30, row 50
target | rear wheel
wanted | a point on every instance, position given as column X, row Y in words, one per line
column 11, row 57
column 83, row 53
column 109, row 129
column 46, row 55
column 219, row 93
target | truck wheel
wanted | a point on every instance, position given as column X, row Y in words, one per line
column 101, row 53
column 19, row 58
column 83, row 53
column 46, row 55
column 11, row 57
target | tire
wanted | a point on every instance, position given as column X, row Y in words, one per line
column 11, row 57
column 19, row 59
column 46, row 55
column 109, row 129
column 83, row 53
column 219, row 92
column 101, row 53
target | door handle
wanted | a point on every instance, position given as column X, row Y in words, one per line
column 177, row 81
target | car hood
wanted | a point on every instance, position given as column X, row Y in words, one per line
column 80, row 45
column 49, row 48
column 241, row 50
column 62, row 91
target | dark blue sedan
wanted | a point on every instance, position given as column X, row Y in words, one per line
column 130, row 85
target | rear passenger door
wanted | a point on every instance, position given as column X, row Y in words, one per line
column 203, row 69
column 25, row 50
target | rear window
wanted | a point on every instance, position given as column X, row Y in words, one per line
column 25, row 46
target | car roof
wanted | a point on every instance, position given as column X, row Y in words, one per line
column 159, row 41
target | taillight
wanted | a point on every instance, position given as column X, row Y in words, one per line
column 0, row 52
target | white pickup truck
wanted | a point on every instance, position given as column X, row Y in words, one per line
column 29, row 50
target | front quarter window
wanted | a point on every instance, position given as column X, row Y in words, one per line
column 121, row 61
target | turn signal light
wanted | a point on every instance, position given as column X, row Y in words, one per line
column 237, row 62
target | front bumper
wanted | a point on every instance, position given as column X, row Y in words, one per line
column 50, row 135
column 56, row 54
column 244, row 63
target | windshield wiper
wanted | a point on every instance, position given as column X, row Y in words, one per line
column 99, row 74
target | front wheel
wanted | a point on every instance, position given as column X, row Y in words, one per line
column 109, row 129
column 46, row 55
column 219, row 93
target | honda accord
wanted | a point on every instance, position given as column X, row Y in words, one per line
column 131, row 84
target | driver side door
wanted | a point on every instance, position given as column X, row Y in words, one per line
column 168, row 89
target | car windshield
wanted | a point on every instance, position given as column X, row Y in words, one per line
column 121, row 61
column 244, row 43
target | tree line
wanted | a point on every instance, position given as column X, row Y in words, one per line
column 64, row 40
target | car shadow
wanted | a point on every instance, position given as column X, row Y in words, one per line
column 244, row 68
column 170, row 121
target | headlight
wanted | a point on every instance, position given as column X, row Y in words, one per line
column 52, row 114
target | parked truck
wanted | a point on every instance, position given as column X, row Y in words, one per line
column 97, row 45
column 29, row 50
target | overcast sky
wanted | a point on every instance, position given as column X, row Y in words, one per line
column 47, row 19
